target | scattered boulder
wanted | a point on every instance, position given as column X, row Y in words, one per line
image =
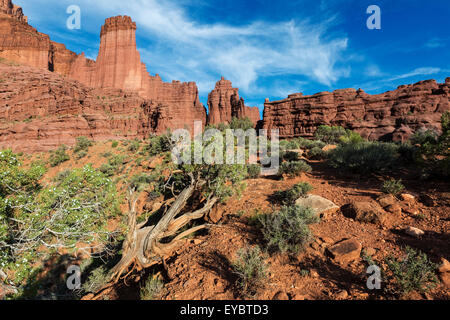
column 321, row 206
column 329, row 147
column 370, row 251
column 414, row 232
column 386, row 200
column 365, row 212
column 345, row 251
column 395, row 209
column 445, row 278
column 444, row 266
column 407, row 197
column 342, row 295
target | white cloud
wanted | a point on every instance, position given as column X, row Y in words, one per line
column 188, row 50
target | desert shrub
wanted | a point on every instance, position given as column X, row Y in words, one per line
column 159, row 144
column 392, row 186
column 250, row 270
column 435, row 155
column 96, row 280
column 134, row 146
column 289, row 197
column 107, row 169
column 413, row 273
column 82, row 144
column 289, row 145
column 424, row 136
column 59, row 156
column 151, row 288
column 287, row 230
column 317, row 153
column 337, row 135
column 241, row 123
column 80, row 155
column 289, row 155
column 294, row 168
column 114, row 144
column 73, row 210
column 366, row 157
column 330, row 135
column 310, row 144
column 253, row 171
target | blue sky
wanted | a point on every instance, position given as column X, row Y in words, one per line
column 269, row 48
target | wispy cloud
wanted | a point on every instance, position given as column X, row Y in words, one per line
column 178, row 47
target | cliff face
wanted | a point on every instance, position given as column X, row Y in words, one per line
column 40, row 110
column 224, row 104
column 118, row 66
column 391, row 115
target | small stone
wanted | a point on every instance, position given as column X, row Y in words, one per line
column 370, row 251
column 386, row 200
column 411, row 211
column 313, row 274
column 407, row 197
column 445, row 278
column 280, row 295
column 414, row 232
column 365, row 212
column 395, row 209
column 342, row 295
column 444, row 266
column 345, row 251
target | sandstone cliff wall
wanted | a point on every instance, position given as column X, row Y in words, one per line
column 391, row 115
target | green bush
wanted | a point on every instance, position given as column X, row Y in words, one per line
column 80, row 155
column 392, row 186
column 317, row 153
column 423, row 137
column 366, row 157
column 97, row 279
column 290, row 156
column 289, row 197
column 251, row 271
column 152, row 288
column 294, row 168
column 253, row 171
column 287, row 230
column 337, row 135
column 82, row 144
column 159, row 144
column 114, row 144
column 289, row 145
column 241, row 123
column 413, row 273
column 134, row 146
column 59, row 156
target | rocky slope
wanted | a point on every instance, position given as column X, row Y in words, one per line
column 391, row 115
column 118, row 65
column 224, row 104
column 40, row 110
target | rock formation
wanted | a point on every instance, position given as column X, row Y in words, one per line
column 118, row 65
column 393, row 115
column 224, row 104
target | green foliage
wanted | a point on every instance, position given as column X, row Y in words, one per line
column 80, row 155
column 159, row 144
column 73, row 210
column 289, row 197
column 97, row 279
column 413, row 273
column 253, row 171
column 82, row 144
column 435, row 155
column 392, row 186
column 366, row 157
column 317, row 153
column 241, row 123
column 151, row 289
column 114, row 144
column 337, row 135
column 59, row 156
column 294, row 168
column 134, row 146
column 290, row 156
column 287, row 230
column 251, row 271
column 424, row 137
